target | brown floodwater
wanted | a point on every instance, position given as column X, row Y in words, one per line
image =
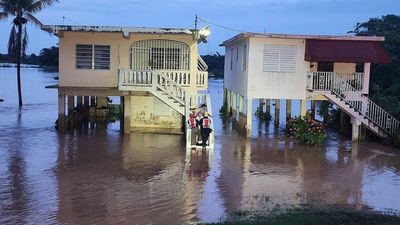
column 96, row 175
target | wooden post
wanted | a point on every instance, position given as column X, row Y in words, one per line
column 127, row 114
column 61, row 113
column 249, row 115
column 277, row 111
column 303, row 108
column 268, row 106
column 288, row 109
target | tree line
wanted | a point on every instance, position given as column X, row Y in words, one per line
column 48, row 57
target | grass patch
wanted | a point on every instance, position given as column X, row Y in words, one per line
column 331, row 216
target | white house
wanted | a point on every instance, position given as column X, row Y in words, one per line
column 305, row 67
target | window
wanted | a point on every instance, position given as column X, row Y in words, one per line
column 160, row 55
column 325, row 66
column 95, row 57
column 237, row 54
column 279, row 58
column 244, row 57
column 231, row 58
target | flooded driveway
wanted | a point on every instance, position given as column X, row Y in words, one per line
column 101, row 176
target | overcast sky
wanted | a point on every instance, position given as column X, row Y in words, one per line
column 273, row 16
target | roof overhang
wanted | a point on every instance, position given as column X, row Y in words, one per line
column 56, row 29
column 345, row 51
column 300, row 36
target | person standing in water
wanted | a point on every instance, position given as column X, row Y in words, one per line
column 205, row 129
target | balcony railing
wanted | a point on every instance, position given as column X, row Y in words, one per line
column 356, row 80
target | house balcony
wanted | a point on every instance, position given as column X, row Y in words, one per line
column 322, row 81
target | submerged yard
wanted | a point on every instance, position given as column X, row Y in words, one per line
column 98, row 175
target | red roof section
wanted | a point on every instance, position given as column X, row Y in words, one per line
column 345, row 51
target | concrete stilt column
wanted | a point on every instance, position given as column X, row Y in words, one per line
column 313, row 109
column 249, row 116
column 61, row 113
column 225, row 96
column 79, row 101
column 121, row 113
column 92, row 101
column 303, row 107
column 277, row 111
column 261, row 105
column 268, row 106
column 127, row 114
column 355, row 131
column 70, row 109
column 288, row 109
column 86, row 101
column 228, row 105
column 234, row 104
column 241, row 103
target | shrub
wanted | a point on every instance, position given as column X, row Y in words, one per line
column 306, row 130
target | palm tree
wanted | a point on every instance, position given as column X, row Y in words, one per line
column 22, row 11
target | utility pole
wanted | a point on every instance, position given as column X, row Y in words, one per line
column 195, row 22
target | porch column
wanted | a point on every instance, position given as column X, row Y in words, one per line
column 127, row 114
column 303, row 108
column 367, row 71
column 355, row 131
column 121, row 113
column 225, row 96
column 277, row 111
column 234, row 105
column 268, row 106
column 249, row 114
column 288, row 109
column 61, row 113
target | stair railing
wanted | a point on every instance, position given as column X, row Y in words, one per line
column 320, row 81
column 169, row 86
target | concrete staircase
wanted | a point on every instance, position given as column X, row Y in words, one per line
column 351, row 100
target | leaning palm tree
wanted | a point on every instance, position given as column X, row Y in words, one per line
column 22, row 12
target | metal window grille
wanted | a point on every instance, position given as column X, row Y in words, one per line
column 244, row 57
column 160, row 55
column 93, row 57
column 279, row 58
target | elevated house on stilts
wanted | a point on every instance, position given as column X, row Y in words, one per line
column 157, row 73
column 306, row 68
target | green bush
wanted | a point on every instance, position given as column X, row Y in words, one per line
column 306, row 130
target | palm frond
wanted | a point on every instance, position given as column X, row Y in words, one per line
column 39, row 5
column 24, row 40
column 9, row 6
column 33, row 19
column 12, row 44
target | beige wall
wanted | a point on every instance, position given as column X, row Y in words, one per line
column 344, row 67
column 120, row 56
column 143, row 117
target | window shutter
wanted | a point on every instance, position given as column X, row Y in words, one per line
column 101, row 57
column 279, row 58
column 84, row 56
column 244, row 57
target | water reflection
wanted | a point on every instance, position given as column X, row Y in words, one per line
column 95, row 174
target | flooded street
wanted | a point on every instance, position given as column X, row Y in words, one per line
column 100, row 176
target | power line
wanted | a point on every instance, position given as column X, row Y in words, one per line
column 224, row 27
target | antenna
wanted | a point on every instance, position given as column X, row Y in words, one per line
column 195, row 22
column 63, row 20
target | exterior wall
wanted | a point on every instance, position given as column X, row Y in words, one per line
column 119, row 58
column 344, row 67
column 143, row 117
column 236, row 79
column 274, row 85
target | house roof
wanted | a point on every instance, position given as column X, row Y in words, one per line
column 301, row 36
column 55, row 29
